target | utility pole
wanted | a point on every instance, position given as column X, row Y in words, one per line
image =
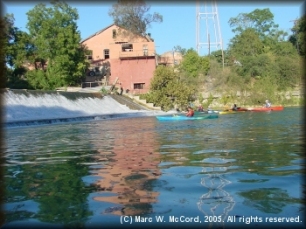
column 212, row 30
column 173, row 57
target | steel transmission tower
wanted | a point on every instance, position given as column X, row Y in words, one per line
column 208, row 33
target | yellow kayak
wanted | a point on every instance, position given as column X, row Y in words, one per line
column 230, row 112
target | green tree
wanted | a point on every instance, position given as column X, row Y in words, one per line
column 193, row 65
column 289, row 71
column 17, row 47
column 217, row 55
column 247, row 43
column 180, row 50
column 133, row 15
column 166, row 90
column 56, row 40
column 259, row 20
column 299, row 35
column 9, row 38
column 257, row 66
column 260, row 57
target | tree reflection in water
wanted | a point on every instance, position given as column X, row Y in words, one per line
column 268, row 200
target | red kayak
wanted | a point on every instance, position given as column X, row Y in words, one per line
column 241, row 109
column 273, row 108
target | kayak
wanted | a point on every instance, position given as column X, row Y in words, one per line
column 181, row 117
column 273, row 108
column 212, row 112
column 206, row 112
column 240, row 109
column 230, row 112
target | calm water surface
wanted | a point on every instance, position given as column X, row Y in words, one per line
column 237, row 170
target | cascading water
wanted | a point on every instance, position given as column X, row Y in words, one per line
column 32, row 107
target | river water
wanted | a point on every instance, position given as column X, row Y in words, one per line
column 239, row 170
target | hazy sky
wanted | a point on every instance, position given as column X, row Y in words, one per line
column 179, row 19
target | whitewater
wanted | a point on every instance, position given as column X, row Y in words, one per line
column 26, row 108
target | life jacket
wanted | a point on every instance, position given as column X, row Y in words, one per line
column 190, row 113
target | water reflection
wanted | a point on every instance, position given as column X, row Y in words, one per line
column 76, row 175
column 132, row 166
column 42, row 178
column 268, row 200
column 216, row 202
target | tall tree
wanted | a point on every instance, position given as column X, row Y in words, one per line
column 247, row 43
column 299, row 35
column 259, row 20
column 56, row 39
column 262, row 22
column 262, row 51
column 133, row 15
column 17, row 47
column 15, row 42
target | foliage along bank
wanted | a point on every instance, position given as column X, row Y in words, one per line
column 49, row 56
column 261, row 61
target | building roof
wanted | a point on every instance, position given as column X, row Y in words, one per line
column 96, row 33
column 100, row 31
column 171, row 53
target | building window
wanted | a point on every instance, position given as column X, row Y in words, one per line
column 88, row 54
column 106, row 53
column 139, row 85
column 127, row 47
column 145, row 50
column 114, row 33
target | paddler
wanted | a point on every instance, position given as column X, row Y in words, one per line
column 190, row 112
column 267, row 104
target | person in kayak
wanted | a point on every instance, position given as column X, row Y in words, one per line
column 234, row 108
column 190, row 112
column 267, row 104
column 200, row 108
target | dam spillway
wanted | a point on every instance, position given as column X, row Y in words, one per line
column 23, row 107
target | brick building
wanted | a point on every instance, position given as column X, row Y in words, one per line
column 123, row 56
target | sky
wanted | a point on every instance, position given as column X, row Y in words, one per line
column 179, row 20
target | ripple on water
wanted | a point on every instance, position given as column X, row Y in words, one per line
column 162, row 164
column 216, row 160
column 214, row 169
column 288, row 168
column 215, row 151
column 88, row 180
column 27, row 205
column 176, row 146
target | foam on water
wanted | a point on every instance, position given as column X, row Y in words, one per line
column 47, row 108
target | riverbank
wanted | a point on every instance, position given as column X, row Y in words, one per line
column 214, row 100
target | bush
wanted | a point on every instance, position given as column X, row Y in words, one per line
column 166, row 89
